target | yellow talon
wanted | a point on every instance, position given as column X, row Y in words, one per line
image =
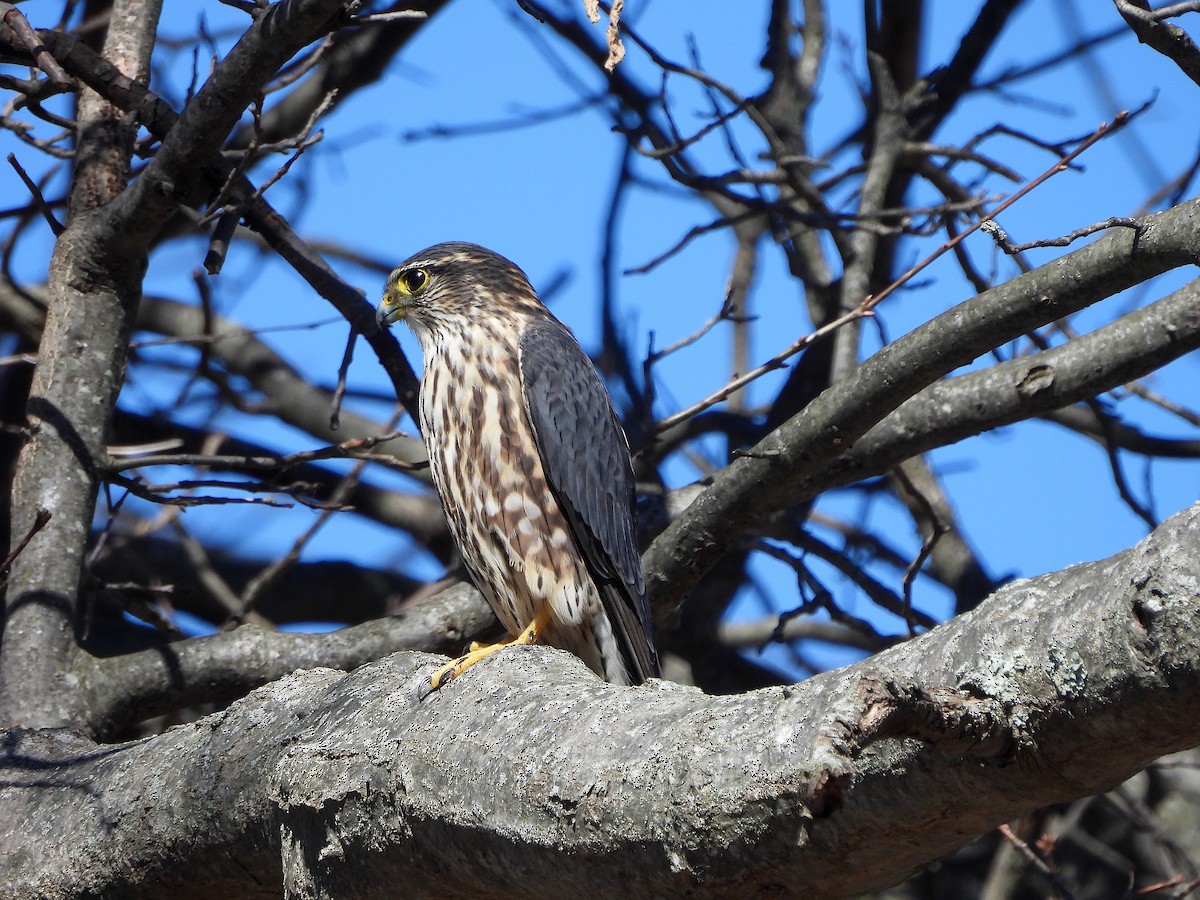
column 478, row 652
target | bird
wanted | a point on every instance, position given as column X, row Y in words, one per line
column 530, row 461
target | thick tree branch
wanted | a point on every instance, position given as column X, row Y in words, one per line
column 766, row 479
column 1169, row 40
column 94, row 284
column 195, row 137
column 216, row 669
column 836, row 786
column 956, row 408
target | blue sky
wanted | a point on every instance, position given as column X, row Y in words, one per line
column 1033, row 498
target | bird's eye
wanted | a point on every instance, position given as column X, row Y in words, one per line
column 412, row 280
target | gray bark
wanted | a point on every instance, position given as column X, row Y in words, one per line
column 528, row 777
column 94, row 285
column 781, row 468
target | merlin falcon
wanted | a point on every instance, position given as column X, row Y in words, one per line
column 529, row 459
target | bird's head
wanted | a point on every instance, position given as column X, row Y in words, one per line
column 451, row 286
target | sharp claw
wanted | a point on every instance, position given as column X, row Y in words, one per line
column 437, row 679
column 424, row 688
column 430, row 683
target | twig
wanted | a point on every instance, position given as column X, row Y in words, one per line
column 351, row 448
column 1178, row 9
column 1137, row 388
column 937, row 528
column 879, row 594
column 45, row 61
column 776, row 362
column 210, row 580
column 693, row 233
column 234, row 334
column 509, row 123
column 296, row 70
column 1186, row 888
column 384, row 17
column 123, row 596
column 1119, row 121
column 291, row 160
column 723, row 315
column 1114, row 461
column 154, row 492
column 259, row 583
column 39, row 522
column 990, row 227
column 36, row 192
column 339, row 391
column 869, row 303
column 926, row 149
column 822, row 597
column 720, row 119
column 1169, row 40
column 24, row 133
column 1060, row 890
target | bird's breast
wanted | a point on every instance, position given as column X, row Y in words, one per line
column 485, row 464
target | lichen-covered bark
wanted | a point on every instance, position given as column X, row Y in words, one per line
column 528, row 777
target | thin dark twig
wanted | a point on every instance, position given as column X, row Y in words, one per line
column 776, row 362
column 303, row 142
column 209, row 578
column 154, row 492
column 217, row 207
column 339, row 392
column 1119, row 121
column 39, row 522
column 937, row 528
column 1060, row 890
column 38, row 200
column 1114, row 461
column 1190, row 416
column 352, row 448
column 990, row 227
column 720, row 120
column 510, row 123
column 723, row 315
column 822, row 598
column 869, row 303
column 260, row 582
column 692, row 234
column 204, row 364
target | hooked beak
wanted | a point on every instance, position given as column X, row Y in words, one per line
column 390, row 309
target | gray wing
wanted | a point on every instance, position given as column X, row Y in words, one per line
column 586, row 460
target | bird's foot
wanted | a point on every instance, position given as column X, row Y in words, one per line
column 478, row 652
column 443, row 675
